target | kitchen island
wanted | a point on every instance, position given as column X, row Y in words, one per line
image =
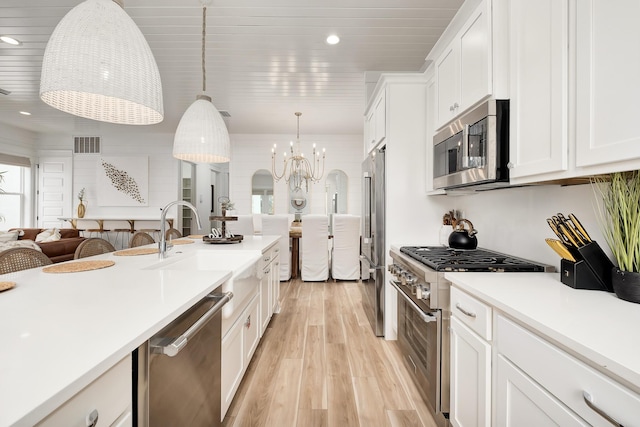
column 63, row 331
column 549, row 352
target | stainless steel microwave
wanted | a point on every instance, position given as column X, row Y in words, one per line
column 473, row 150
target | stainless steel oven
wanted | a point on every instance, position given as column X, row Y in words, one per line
column 424, row 311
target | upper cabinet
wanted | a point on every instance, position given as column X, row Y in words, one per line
column 464, row 69
column 539, row 86
column 573, row 92
column 376, row 121
column 607, row 92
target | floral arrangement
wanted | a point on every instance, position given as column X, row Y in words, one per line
column 81, row 195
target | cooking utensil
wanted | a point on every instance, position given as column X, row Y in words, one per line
column 555, row 229
column 580, row 227
column 569, row 235
column 560, row 249
column 462, row 238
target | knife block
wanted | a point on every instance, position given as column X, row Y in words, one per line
column 592, row 269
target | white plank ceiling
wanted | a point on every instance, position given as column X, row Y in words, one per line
column 265, row 59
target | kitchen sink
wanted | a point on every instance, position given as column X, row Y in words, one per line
column 236, row 261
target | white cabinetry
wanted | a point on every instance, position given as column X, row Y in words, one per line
column 607, row 93
column 522, row 402
column 109, row 399
column 238, row 346
column 376, row 122
column 585, row 393
column 470, row 361
column 573, row 97
column 539, row 87
column 269, row 286
column 430, row 128
column 464, row 69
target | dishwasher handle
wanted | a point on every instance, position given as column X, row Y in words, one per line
column 175, row 346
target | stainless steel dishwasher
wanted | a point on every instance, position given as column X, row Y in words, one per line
column 176, row 374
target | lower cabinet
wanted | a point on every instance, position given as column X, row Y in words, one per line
column 507, row 375
column 470, row 361
column 470, row 377
column 584, row 394
column 107, row 399
column 238, row 346
column 523, row 402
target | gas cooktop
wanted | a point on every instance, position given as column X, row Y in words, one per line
column 441, row 258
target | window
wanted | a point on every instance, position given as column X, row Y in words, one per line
column 12, row 196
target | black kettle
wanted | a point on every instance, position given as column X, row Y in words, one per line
column 461, row 238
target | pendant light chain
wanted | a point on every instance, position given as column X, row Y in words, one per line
column 204, row 35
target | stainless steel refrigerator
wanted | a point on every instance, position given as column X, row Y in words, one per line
column 372, row 239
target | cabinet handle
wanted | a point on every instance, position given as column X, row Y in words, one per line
column 510, row 165
column 455, row 106
column 92, row 418
column 276, row 250
column 465, row 312
column 451, row 108
column 267, row 271
column 589, row 401
column 247, row 322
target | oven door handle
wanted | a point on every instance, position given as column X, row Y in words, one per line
column 426, row 318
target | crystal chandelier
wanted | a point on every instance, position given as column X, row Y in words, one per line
column 297, row 168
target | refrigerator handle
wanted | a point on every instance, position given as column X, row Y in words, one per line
column 367, row 206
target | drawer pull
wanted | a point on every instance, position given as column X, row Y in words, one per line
column 589, row 401
column 465, row 312
column 92, row 418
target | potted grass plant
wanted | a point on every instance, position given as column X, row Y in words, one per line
column 618, row 199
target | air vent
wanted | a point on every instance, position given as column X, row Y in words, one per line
column 224, row 113
column 86, row 145
column 4, row 91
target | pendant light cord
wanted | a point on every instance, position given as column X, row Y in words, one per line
column 204, row 34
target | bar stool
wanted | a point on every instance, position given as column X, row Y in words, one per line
column 153, row 232
column 121, row 239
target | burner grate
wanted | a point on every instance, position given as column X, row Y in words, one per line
column 446, row 259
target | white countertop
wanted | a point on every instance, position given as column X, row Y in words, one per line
column 62, row 331
column 594, row 326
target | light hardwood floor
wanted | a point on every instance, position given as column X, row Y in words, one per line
column 319, row 364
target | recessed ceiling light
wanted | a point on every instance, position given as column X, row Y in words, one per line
column 333, row 39
column 25, row 113
column 10, row 40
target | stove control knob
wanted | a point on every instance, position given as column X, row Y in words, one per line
column 411, row 280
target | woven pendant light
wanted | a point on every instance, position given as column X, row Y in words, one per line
column 202, row 135
column 98, row 65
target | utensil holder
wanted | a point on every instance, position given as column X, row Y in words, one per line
column 592, row 264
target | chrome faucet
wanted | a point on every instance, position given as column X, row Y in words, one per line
column 162, row 244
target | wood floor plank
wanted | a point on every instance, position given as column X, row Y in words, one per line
column 312, row 417
column 337, row 359
column 313, row 390
column 283, row 410
column 334, row 332
column 315, row 316
column 371, row 411
column 360, row 354
column 403, row 418
column 342, row 410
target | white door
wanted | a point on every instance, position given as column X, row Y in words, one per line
column 539, row 87
column 607, row 73
column 55, row 191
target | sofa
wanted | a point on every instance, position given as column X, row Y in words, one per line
column 60, row 250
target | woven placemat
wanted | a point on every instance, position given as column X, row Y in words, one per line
column 136, row 251
column 180, row 242
column 74, row 267
column 5, row 286
column 195, row 236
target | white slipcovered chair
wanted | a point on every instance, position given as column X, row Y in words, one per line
column 315, row 248
column 345, row 255
column 278, row 225
column 243, row 226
